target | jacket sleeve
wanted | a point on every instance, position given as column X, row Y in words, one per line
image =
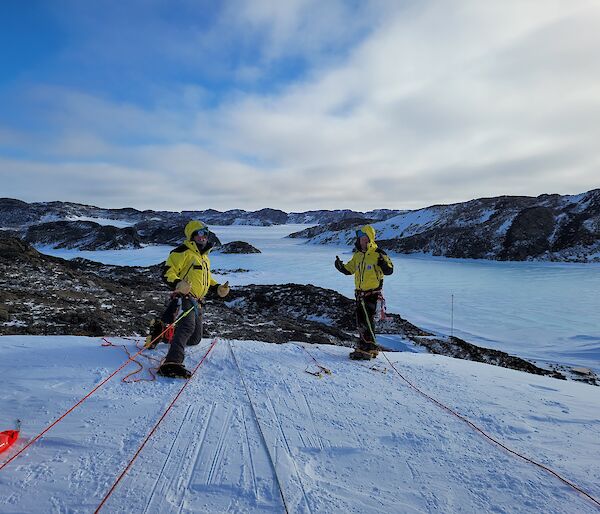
column 351, row 264
column 384, row 262
column 173, row 267
column 346, row 269
column 339, row 265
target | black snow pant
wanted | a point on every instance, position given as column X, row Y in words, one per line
column 188, row 332
column 364, row 321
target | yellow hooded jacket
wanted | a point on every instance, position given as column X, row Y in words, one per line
column 369, row 267
column 187, row 262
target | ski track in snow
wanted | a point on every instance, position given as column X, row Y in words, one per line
column 356, row 441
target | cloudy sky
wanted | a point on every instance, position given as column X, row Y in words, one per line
column 297, row 104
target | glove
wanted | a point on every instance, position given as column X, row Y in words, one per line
column 223, row 290
column 339, row 265
column 183, row 287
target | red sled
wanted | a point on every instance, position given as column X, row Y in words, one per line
column 8, row 438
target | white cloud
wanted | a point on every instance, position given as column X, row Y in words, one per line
column 441, row 102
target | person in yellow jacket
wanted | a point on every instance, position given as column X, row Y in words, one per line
column 368, row 265
column 187, row 272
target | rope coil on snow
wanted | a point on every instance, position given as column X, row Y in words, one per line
column 126, row 379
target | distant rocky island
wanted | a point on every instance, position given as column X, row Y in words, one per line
column 554, row 227
column 238, row 247
column 85, row 227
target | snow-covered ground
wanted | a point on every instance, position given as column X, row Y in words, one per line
column 536, row 310
column 354, row 441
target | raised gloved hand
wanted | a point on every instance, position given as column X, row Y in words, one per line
column 223, row 289
column 339, row 265
column 183, row 287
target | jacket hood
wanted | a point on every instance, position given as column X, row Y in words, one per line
column 370, row 231
column 191, row 227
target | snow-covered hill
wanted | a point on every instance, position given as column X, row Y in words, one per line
column 549, row 227
column 355, row 441
column 71, row 225
column 16, row 214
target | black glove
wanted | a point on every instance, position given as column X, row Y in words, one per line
column 339, row 265
column 385, row 264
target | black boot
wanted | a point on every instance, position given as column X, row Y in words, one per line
column 173, row 370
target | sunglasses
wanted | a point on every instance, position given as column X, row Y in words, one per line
column 203, row 232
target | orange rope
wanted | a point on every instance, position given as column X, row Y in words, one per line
column 479, row 430
column 492, row 439
column 154, row 429
column 151, row 370
column 66, row 413
column 37, row 437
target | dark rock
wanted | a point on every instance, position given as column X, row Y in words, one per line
column 528, row 235
column 84, row 235
column 168, row 233
column 352, row 222
column 548, row 227
column 223, row 271
column 461, row 349
column 238, row 247
column 13, row 249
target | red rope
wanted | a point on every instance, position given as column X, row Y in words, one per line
column 67, row 412
column 492, row 439
column 154, row 429
column 140, row 366
column 37, row 437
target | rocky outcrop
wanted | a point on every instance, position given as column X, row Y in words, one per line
column 167, row 232
column 47, row 295
column 18, row 215
column 238, row 247
column 352, row 223
column 529, row 234
column 324, row 217
column 84, row 235
column 548, row 227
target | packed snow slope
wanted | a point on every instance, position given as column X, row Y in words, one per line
column 357, row 440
